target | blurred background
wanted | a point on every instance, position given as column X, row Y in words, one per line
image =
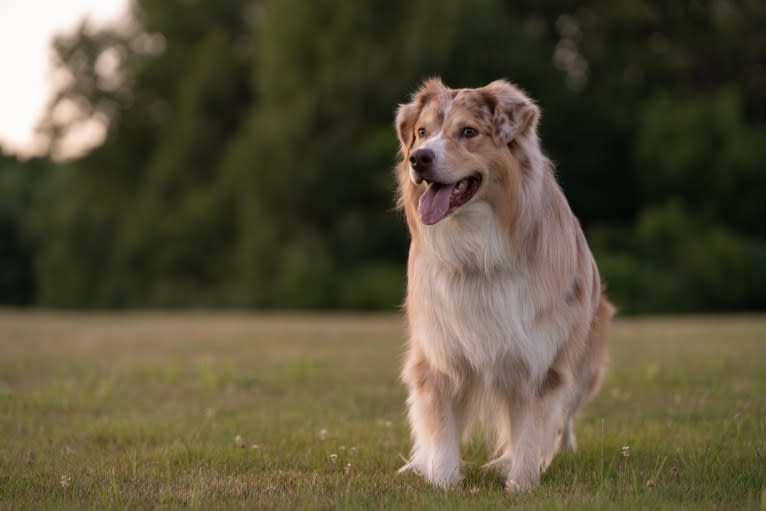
column 239, row 153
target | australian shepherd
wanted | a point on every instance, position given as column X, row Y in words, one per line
column 507, row 319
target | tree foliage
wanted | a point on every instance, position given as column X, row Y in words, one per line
column 248, row 148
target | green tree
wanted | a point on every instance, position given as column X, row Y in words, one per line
column 19, row 183
column 249, row 147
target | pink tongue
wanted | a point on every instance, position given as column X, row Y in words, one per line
column 434, row 203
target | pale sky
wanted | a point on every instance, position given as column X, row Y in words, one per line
column 26, row 30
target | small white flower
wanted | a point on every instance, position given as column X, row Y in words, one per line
column 323, row 434
column 348, row 468
column 65, row 480
column 342, row 448
column 625, row 451
column 650, row 483
column 334, row 458
column 239, row 442
column 255, row 446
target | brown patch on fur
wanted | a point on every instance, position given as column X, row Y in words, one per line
column 534, row 239
column 534, row 235
column 599, row 338
column 553, row 380
column 504, row 198
column 420, row 372
column 576, row 293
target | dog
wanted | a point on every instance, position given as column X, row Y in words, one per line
column 508, row 322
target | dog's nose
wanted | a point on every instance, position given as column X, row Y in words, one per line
column 422, row 160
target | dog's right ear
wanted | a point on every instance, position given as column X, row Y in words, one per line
column 407, row 115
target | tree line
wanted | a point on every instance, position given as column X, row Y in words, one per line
column 249, row 145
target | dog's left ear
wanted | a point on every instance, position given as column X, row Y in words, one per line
column 514, row 114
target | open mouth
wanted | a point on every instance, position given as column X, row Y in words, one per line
column 441, row 199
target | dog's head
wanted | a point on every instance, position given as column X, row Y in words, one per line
column 463, row 146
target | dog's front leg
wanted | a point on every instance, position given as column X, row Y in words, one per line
column 434, row 424
column 521, row 434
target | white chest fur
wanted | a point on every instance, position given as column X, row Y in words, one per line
column 470, row 305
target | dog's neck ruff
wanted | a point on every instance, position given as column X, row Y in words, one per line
column 468, row 243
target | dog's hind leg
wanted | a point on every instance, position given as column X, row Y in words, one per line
column 435, row 424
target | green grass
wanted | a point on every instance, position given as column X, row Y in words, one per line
column 136, row 411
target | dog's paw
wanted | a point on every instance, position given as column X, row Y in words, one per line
column 435, row 474
column 451, row 476
column 519, row 485
column 512, row 487
column 519, row 482
column 446, row 480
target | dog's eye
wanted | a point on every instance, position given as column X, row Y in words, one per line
column 421, row 132
column 469, row 132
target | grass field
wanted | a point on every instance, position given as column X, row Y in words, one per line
column 137, row 411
